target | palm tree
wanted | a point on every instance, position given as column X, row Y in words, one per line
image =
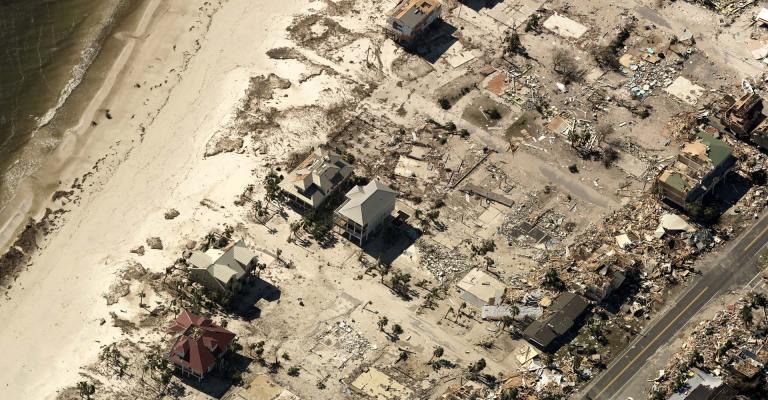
column 553, row 281
column 506, row 322
column 383, row 271
column 760, row 300
column 86, row 389
column 295, row 228
column 436, row 353
column 400, row 283
column 514, row 310
column 746, row 314
column 260, row 211
column 383, row 321
column 462, row 306
column 142, row 295
column 397, row 330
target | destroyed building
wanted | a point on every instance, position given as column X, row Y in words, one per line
column 759, row 135
column 365, row 211
column 744, row 115
column 314, row 179
column 547, row 331
column 746, row 365
column 479, row 289
column 410, row 18
column 704, row 386
column 699, row 168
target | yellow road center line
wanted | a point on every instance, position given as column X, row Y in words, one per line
column 617, row 376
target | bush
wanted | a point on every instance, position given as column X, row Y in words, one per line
column 515, row 46
column 706, row 215
column 493, row 113
column 610, row 156
column 444, row 103
column 565, row 64
column 759, row 177
column 534, row 23
column 349, row 158
column 608, row 56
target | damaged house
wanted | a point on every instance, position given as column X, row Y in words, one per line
column 744, row 115
column 365, row 211
column 547, row 331
column 410, row 18
column 222, row 271
column 759, row 135
column 314, row 179
column 480, row 289
column 705, row 386
column 699, row 168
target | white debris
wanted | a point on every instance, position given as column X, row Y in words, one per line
column 565, row 27
column 685, row 90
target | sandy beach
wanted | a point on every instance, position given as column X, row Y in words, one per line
column 485, row 193
column 180, row 76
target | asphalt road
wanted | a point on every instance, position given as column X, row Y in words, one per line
column 737, row 265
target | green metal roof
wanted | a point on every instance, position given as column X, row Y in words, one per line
column 718, row 151
column 677, row 181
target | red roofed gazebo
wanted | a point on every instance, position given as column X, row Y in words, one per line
column 200, row 345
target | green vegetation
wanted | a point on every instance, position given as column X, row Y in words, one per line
column 492, row 113
column 552, row 280
column 271, row 185
column 86, row 389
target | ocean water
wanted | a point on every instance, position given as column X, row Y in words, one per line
column 46, row 50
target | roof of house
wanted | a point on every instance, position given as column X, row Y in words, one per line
column 745, row 104
column 412, row 12
column 558, row 319
column 366, row 203
column 231, row 262
column 199, row 343
column 703, row 386
column 320, row 172
column 717, row 150
column 481, row 285
column 708, row 153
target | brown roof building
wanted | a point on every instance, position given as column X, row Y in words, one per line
column 314, row 179
column 200, row 344
column 561, row 316
column 411, row 17
column 760, row 135
column 744, row 115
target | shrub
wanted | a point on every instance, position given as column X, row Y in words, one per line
column 565, row 64
column 493, row 113
column 610, row 156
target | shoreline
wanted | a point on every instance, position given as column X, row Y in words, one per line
column 33, row 195
column 181, row 76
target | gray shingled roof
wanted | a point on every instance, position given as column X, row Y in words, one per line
column 364, row 203
column 231, row 263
